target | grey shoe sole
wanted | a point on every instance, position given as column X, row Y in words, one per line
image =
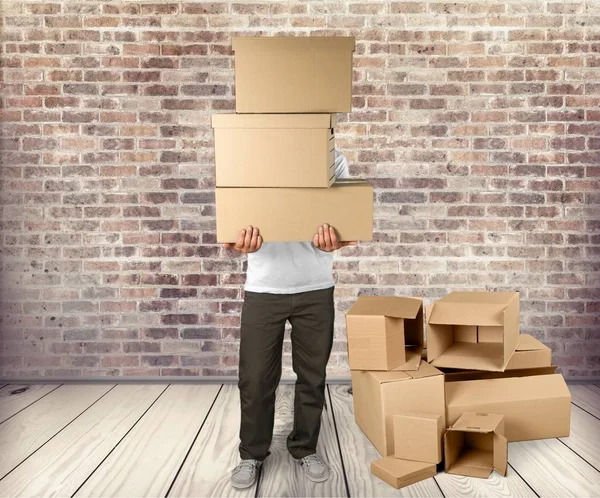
column 240, row 486
column 317, row 479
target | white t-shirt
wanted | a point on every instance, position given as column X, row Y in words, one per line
column 291, row 267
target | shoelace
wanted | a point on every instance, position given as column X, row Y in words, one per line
column 250, row 465
column 310, row 459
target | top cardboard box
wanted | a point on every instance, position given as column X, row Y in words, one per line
column 293, row 74
column 473, row 330
column 385, row 333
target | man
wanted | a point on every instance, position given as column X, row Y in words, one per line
column 285, row 281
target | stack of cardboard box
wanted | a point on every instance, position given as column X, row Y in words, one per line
column 483, row 384
column 275, row 156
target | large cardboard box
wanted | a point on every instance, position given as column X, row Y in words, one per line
column 473, row 330
column 530, row 353
column 385, row 333
column 535, row 407
column 293, row 74
column 274, row 150
column 417, row 437
column 400, row 473
column 475, row 445
column 294, row 214
column 378, row 396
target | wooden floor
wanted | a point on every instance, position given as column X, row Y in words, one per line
column 180, row 440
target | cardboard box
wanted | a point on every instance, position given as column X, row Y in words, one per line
column 475, row 445
column 274, row 150
column 530, row 353
column 294, row 214
column 535, row 407
column 401, row 473
column 293, row 74
column 458, row 375
column 473, row 330
column 378, row 396
column 385, row 333
column 418, row 436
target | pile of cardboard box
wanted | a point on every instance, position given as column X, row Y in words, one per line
column 275, row 156
column 477, row 385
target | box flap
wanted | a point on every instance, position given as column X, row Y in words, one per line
column 292, row 43
column 466, row 313
column 274, row 121
column 391, row 376
column 477, row 422
column 413, row 359
column 425, row 370
column 402, row 469
column 529, row 343
column 500, row 454
column 397, row 307
column 489, row 297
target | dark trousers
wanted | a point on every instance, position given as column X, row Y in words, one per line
column 264, row 315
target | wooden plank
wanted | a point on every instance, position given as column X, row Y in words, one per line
column 586, row 396
column 69, row 458
column 16, row 397
column 24, row 433
column 552, row 469
column 495, row 485
column 207, row 469
column 358, row 453
column 282, row 475
column 585, row 436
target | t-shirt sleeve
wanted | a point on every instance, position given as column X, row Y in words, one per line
column 341, row 165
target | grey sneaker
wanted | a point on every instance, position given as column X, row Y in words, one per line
column 244, row 475
column 315, row 468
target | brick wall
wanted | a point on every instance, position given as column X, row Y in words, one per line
column 477, row 122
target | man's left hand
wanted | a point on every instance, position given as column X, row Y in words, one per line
column 326, row 239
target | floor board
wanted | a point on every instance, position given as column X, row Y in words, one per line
column 587, row 397
column 496, row 485
column 358, row 453
column 585, row 436
column 206, row 471
column 14, row 398
column 282, row 475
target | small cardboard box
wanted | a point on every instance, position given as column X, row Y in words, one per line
column 274, row 150
column 401, row 473
column 385, row 333
column 293, row 74
column 475, row 445
column 418, row 436
column 294, row 214
column 535, row 407
column 378, row 396
column 473, row 330
column 530, row 353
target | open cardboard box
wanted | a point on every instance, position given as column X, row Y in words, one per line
column 385, row 333
column 417, row 436
column 293, row 74
column 475, row 445
column 473, row 330
column 378, row 396
column 274, row 150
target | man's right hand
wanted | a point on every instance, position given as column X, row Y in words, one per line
column 248, row 241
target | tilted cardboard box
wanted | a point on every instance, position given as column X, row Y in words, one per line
column 473, row 330
column 451, row 375
column 530, row 353
column 535, row 407
column 475, row 445
column 378, row 396
column 400, row 473
column 293, row 74
column 274, row 150
column 418, row 436
column 294, row 214
column 385, row 333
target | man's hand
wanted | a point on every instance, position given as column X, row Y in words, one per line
column 248, row 241
column 326, row 239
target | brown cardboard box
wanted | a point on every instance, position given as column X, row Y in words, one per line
column 473, row 330
column 475, row 445
column 378, row 396
column 274, row 150
column 530, row 353
column 418, row 436
column 294, row 214
column 458, row 375
column 293, row 74
column 400, row 473
column 535, row 407
column 385, row 333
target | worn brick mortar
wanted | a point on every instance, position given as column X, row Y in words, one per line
column 478, row 123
